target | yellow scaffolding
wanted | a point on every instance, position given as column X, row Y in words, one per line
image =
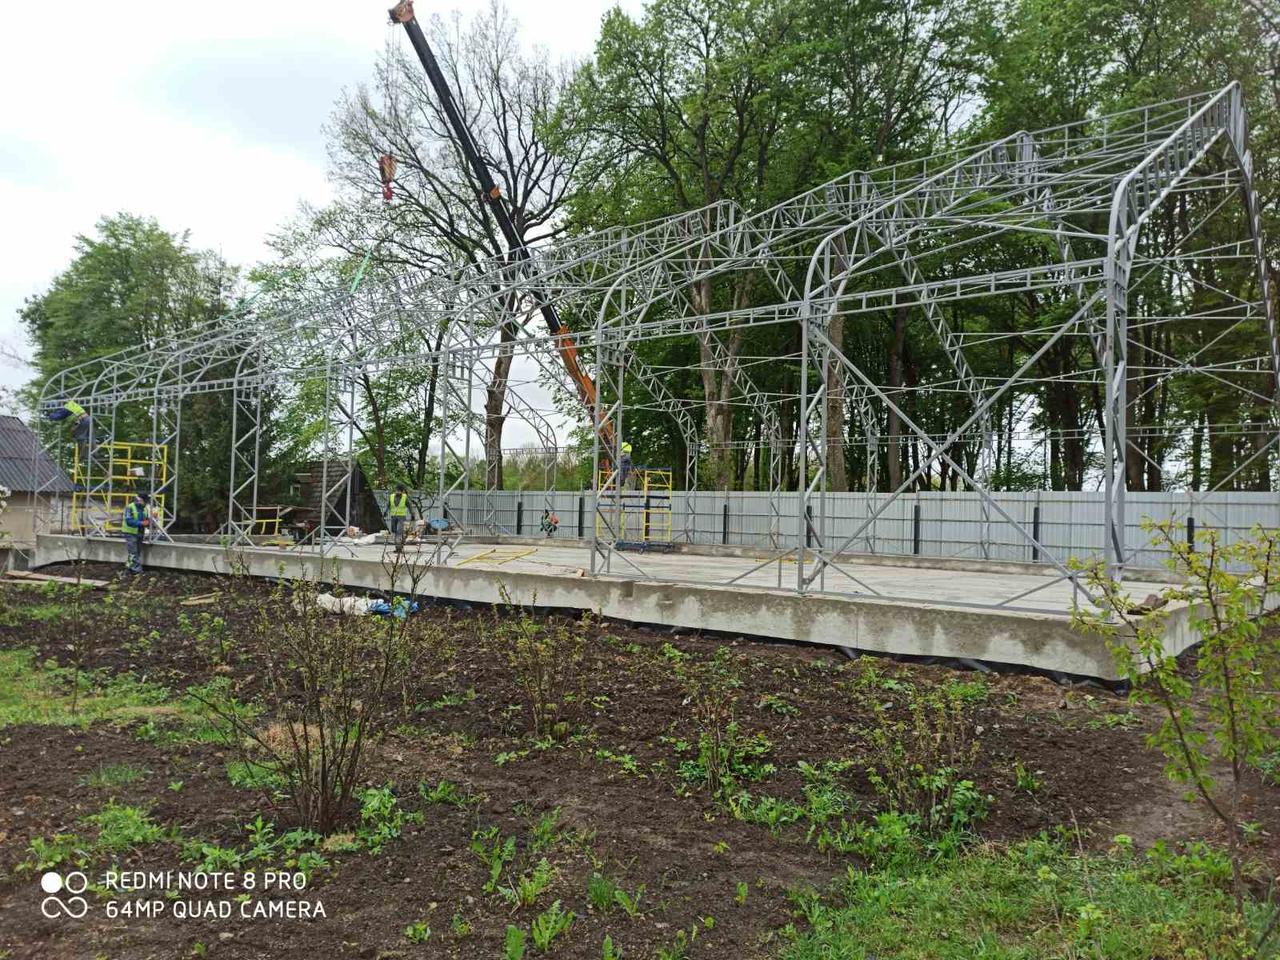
column 268, row 519
column 124, row 468
column 645, row 502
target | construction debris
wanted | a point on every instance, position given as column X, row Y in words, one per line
column 360, row 606
column 26, row 576
column 203, row 600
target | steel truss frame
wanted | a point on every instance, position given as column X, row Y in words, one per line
column 1076, row 203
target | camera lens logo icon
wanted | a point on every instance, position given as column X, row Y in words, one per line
column 72, row 905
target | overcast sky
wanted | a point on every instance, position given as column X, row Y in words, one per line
column 206, row 116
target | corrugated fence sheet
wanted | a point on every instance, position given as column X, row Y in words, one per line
column 1068, row 524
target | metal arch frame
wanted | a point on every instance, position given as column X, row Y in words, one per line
column 246, row 445
column 118, row 379
column 877, row 217
column 652, row 382
column 943, row 204
column 658, row 268
column 167, row 402
column 817, row 487
column 863, row 192
column 913, row 275
column 140, row 370
column 1136, row 197
column 491, row 313
column 613, row 361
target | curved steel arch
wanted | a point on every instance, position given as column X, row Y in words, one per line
column 1137, row 196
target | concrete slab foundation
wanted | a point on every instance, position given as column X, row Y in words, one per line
column 917, row 610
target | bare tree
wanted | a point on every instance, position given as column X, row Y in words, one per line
column 436, row 216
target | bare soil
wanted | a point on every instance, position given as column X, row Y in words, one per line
column 1096, row 776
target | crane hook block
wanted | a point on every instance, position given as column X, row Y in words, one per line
column 387, row 173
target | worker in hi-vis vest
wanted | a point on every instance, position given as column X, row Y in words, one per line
column 624, row 467
column 398, row 513
column 81, row 427
column 137, row 520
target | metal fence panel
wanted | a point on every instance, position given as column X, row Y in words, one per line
column 952, row 524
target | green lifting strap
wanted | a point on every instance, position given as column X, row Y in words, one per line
column 355, row 282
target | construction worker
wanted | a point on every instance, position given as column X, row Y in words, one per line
column 398, row 513
column 549, row 524
column 68, row 411
column 137, row 520
column 81, row 429
column 624, row 465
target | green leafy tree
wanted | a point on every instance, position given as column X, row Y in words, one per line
column 1061, row 62
column 131, row 285
column 696, row 102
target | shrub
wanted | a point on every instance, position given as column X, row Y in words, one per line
column 328, row 683
column 921, row 750
column 549, row 924
column 725, row 755
column 494, row 852
column 122, row 827
column 525, row 890
column 418, row 932
column 82, row 634
column 600, row 891
column 545, row 660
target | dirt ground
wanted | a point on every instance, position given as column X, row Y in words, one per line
column 1084, row 745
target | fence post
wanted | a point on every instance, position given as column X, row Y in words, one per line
column 1035, row 534
column 724, row 525
column 1191, row 533
column 808, row 525
column 581, row 526
column 915, row 528
column 519, row 517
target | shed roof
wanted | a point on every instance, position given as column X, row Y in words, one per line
column 18, row 443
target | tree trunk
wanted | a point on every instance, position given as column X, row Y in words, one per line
column 429, row 412
column 837, row 467
column 1197, row 453
column 893, row 447
column 758, row 461
column 495, row 402
column 717, row 386
column 379, row 433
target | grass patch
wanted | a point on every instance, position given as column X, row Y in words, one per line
column 114, row 775
column 119, row 828
column 122, row 827
column 250, row 775
column 44, row 612
column 47, row 694
column 1034, row 899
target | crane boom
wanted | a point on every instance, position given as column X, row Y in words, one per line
column 491, row 196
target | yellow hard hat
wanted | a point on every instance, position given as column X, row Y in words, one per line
column 626, row 448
